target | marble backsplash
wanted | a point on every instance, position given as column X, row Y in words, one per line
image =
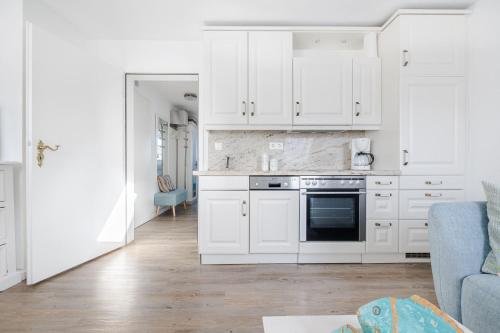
column 301, row 150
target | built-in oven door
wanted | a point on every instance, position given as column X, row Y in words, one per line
column 332, row 215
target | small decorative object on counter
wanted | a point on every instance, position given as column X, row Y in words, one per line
column 264, row 162
column 273, row 165
column 393, row 315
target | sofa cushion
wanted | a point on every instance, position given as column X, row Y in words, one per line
column 492, row 262
column 481, row 303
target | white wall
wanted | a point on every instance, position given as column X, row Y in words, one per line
column 484, row 91
column 148, row 105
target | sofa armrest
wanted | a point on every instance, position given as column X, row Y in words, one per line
column 458, row 236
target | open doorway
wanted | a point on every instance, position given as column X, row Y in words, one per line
column 162, row 144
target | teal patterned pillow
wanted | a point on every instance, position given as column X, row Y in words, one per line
column 492, row 263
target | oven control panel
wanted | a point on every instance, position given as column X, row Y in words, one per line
column 274, row 183
column 334, row 182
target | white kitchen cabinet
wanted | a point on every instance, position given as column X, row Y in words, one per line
column 432, row 119
column 322, row 91
column 382, row 236
column 3, row 261
column 367, row 104
column 223, row 219
column 382, row 204
column 226, row 77
column 2, row 186
column 274, row 221
column 3, row 225
column 270, row 77
column 432, row 182
column 433, row 45
column 415, row 204
column 413, row 236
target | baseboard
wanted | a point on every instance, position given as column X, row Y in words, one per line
column 12, row 279
column 323, row 258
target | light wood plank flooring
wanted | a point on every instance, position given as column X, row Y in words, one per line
column 158, row 285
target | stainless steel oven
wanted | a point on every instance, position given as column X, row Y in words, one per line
column 333, row 208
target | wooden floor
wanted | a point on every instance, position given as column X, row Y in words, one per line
column 158, row 285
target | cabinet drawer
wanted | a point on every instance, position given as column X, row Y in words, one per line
column 382, row 236
column 382, row 182
column 224, row 183
column 3, row 260
column 415, row 204
column 413, row 236
column 382, row 204
column 2, row 186
column 3, row 226
column 432, row 182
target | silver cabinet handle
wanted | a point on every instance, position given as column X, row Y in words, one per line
column 405, row 157
column 297, row 108
column 430, row 195
column 405, row 58
column 244, row 113
column 382, row 195
column 426, row 224
column 383, row 225
column 430, row 182
column 252, row 111
column 383, row 183
column 357, row 106
column 244, row 208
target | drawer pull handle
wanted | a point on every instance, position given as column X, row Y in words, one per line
column 383, row 225
column 405, row 157
column 382, row 195
column 244, row 112
column 297, row 108
column 426, row 224
column 430, row 195
column 430, row 182
column 383, row 183
column 244, row 208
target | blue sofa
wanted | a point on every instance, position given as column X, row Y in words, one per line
column 172, row 198
column 459, row 244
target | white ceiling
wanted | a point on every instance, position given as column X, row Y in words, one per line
column 183, row 19
column 173, row 92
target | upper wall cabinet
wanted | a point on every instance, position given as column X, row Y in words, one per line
column 226, row 77
column 322, row 89
column 248, row 77
column 433, row 44
column 367, row 107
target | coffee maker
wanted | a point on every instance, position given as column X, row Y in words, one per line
column 361, row 156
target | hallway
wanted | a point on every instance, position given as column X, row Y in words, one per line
column 157, row 285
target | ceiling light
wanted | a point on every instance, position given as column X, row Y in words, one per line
column 191, row 97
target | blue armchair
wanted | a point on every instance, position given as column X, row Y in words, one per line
column 458, row 235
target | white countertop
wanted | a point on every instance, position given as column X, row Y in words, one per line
column 297, row 173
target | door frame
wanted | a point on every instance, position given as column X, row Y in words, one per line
column 130, row 78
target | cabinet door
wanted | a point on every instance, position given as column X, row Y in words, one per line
column 270, row 77
column 3, row 225
column 413, row 236
column 415, row 204
column 223, row 222
column 3, row 260
column 382, row 236
column 322, row 90
column 433, row 44
column 432, row 125
column 226, row 77
column 274, row 221
column 382, row 204
column 367, row 93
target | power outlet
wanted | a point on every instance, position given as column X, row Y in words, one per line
column 276, row 145
column 218, row 146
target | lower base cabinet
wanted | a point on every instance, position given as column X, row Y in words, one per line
column 223, row 219
column 274, row 222
column 413, row 236
column 382, row 236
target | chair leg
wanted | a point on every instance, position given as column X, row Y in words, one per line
column 185, row 205
column 157, row 210
column 173, row 210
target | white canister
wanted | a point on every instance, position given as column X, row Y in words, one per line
column 273, row 165
column 264, row 162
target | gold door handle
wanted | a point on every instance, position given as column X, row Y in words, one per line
column 41, row 147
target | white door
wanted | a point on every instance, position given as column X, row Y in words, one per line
column 432, row 125
column 223, row 222
column 367, row 93
column 274, row 221
column 382, row 236
column 433, row 44
column 225, row 83
column 322, row 91
column 270, row 77
column 76, row 199
column 413, row 236
column 415, row 204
